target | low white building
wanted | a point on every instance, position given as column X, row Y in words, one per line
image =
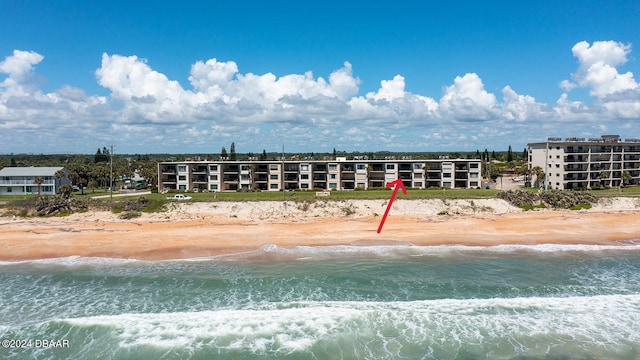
column 24, row 180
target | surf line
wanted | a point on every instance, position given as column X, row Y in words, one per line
column 396, row 184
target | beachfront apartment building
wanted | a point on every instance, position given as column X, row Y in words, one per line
column 579, row 163
column 24, row 180
column 336, row 174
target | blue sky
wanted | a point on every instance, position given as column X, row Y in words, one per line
column 191, row 77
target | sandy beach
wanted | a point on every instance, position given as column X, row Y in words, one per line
column 189, row 230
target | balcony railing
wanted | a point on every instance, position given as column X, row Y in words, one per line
column 26, row 182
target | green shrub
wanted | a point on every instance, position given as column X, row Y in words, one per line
column 581, row 206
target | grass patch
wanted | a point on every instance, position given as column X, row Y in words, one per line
column 529, row 207
column 581, row 206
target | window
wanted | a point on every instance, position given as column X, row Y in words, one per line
column 182, row 178
column 557, row 165
column 273, row 167
column 9, row 189
column 361, row 166
column 213, row 167
column 273, row 186
column 245, row 177
column 332, row 176
column 304, row 186
column 213, row 177
column 182, row 168
column 473, row 165
column 304, row 167
column 182, row 187
column 391, row 166
column 304, row 176
column 446, row 175
column 213, row 187
column 333, row 186
column 333, row 167
column 273, row 176
column 417, row 166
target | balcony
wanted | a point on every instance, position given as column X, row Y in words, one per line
column 575, row 177
column 26, row 182
column 231, row 169
column 575, row 159
column 576, row 168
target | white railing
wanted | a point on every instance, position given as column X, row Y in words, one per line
column 26, row 182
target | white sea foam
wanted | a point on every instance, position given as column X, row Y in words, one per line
column 274, row 252
column 601, row 323
column 73, row 261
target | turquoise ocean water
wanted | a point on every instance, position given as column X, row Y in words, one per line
column 342, row 302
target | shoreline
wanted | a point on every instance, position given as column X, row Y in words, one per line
column 195, row 230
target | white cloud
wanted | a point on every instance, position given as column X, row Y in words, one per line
column 520, row 107
column 212, row 74
column 598, row 68
column 467, row 99
column 19, row 67
column 222, row 104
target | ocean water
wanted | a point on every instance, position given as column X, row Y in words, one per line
column 342, row 302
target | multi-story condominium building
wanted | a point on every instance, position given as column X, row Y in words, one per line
column 579, row 163
column 30, row 180
column 338, row 174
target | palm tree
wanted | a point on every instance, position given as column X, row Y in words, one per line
column 59, row 175
column 38, row 181
column 603, row 175
column 626, row 177
column 540, row 175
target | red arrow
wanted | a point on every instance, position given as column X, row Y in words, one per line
column 396, row 184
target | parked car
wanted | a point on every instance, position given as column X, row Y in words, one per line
column 179, row 197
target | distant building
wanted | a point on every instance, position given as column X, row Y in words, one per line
column 339, row 174
column 579, row 163
column 22, row 180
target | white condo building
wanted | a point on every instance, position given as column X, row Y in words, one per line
column 338, row 174
column 579, row 163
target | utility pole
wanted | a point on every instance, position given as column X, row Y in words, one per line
column 111, row 176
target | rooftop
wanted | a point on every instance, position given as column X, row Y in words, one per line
column 30, row 171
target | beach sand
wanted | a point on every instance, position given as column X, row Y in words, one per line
column 208, row 229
